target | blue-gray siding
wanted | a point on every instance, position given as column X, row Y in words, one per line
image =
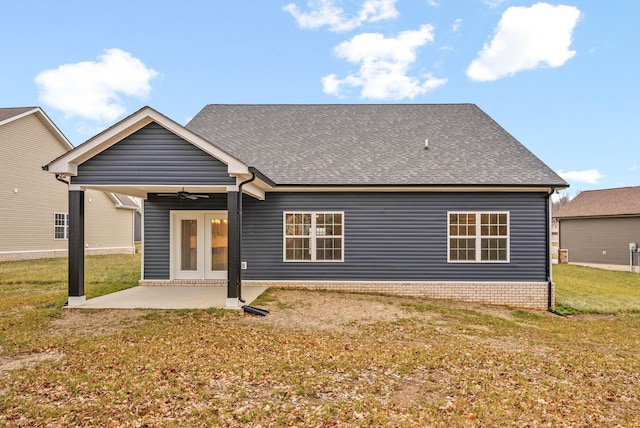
column 156, row 228
column 153, row 155
column 388, row 236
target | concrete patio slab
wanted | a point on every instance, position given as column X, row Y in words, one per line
column 168, row 297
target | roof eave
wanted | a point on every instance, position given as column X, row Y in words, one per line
column 48, row 123
column 418, row 187
column 67, row 164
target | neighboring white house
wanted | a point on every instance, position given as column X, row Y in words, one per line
column 34, row 207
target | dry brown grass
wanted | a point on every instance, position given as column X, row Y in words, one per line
column 329, row 359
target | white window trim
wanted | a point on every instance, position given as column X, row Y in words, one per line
column 65, row 226
column 478, row 237
column 312, row 237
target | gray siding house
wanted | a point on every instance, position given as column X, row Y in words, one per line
column 423, row 200
column 597, row 226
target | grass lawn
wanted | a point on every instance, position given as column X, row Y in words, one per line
column 586, row 290
column 318, row 359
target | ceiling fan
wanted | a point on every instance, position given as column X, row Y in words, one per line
column 182, row 194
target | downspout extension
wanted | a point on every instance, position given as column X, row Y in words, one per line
column 239, row 266
column 548, row 257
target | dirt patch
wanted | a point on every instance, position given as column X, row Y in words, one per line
column 76, row 322
column 12, row 362
column 431, row 386
column 328, row 311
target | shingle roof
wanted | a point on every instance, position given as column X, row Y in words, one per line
column 382, row 144
column 620, row 201
column 8, row 113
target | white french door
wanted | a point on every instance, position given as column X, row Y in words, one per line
column 199, row 241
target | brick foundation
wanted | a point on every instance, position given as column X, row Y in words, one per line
column 527, row 295
column 184, row 282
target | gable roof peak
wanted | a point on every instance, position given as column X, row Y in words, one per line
column 12, row 114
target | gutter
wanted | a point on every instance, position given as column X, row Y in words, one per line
column 61, row 179
column 548, row 256
column 250, row 309
column 239, row 266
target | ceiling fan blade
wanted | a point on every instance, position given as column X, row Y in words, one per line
column 185, row 195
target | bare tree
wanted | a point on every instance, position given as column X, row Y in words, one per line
column 559, row 202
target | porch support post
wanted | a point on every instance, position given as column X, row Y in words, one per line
column 233, row 272
column 76, row 248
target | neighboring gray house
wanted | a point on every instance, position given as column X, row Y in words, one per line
column 597, row 226
column 431, row 200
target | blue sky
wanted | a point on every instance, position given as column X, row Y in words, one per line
column 561, row 77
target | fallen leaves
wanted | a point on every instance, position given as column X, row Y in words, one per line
column 441, row 367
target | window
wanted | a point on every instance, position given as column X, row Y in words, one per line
column 60, row 226
column 478, row 237
column 313, row 237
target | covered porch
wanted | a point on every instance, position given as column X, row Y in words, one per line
column 188, row 186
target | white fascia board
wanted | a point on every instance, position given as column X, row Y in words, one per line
column 254, row 190
column 250, row 189
column 439, row 189
column 234, row 166
column 118, row 202
column 54, row 129
column 67, row 164
column 19, row 116
column 47, row 123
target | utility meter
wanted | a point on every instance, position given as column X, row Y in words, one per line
column 632, row 246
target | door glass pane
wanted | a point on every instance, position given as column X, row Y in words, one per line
column 189, row 245
column 219, row 242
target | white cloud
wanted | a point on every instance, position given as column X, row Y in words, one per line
column 384, row 64
column 493, row 3
column 527, row 38
column 590, row 176
column 433, row 3
column 634, row 167
column 91, row 89
column 326, row 12
column 456, row 24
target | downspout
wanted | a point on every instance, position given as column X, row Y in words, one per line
column 239, row 266
column 548, row 255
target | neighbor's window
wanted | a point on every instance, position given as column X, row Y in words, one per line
column 478, row 236
column 313, row 236
column 60, row 226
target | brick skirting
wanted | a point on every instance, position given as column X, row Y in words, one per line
column 528, row 295
column 184, row 282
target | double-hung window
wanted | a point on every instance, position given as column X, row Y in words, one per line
column 313, row 236
column 481, row 237
column 60, row 226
